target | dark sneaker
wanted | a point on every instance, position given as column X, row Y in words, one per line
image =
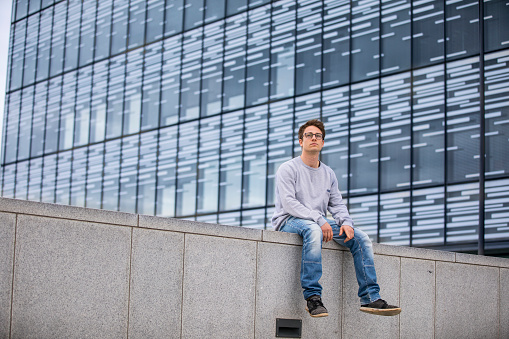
column 380, row 307
column 315, row 307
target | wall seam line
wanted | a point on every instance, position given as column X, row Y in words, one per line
column 182, row 288
column 129, row 282
column 13, row 272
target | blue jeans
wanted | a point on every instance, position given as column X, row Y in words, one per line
column 311, row 266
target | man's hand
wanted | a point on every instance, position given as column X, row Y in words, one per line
column 349, row 232
column 327, row 232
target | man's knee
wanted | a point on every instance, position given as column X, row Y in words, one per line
column 362, row 237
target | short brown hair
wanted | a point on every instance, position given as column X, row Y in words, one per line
column 314, row 122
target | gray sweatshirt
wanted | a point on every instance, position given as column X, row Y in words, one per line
column 307, row 193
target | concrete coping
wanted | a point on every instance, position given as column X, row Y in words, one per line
column 194, row 227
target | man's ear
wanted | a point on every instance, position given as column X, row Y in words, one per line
column 300, row 142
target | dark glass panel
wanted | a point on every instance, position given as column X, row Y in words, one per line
column 174, row 15
column 16, row 59
column 230, row 184
column 365, row 51
column 187, row 169
column 44, row 44
column 155, row 20
column 11, row 127
column 336, row 43
column 234, row 62
column 151, row 86
column 258, row 56
column 170, row 81
column 38, row 120
column 208, row 165
column 428, row 33
column 115, row 99
column 147, row 173
column 72, row 36
column 132, row 91
column 67, row 111
column 364, row 124
column 103, row 29
column 98, row 102
column 396, row 36
column 137, row 12
column 462, row 29
column 25, row 123
column 191, row 64
column 395, row 218
column 282, row 49
column 335, row 109
column 309, row 47
column 79, row 176
column 166, row 172
column 49, row 178
column 63, row 179
column 87, row 32
column 53, row 115
column 119, row 26
column 428, row 217
column 496, row 24
column 83, row 106
column 194, row 13
column 212, row 71
column 58, row 39
column 94, row 175
column 428, row 126
column 364, row 211
column 129, row 174
column 31, row 50
column 111, row 175
column 21, row 190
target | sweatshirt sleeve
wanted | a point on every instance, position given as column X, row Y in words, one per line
column 337, row 206
column 286, row 189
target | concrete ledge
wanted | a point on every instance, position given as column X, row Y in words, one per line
column 194, row 227
column 71, row 272
column 67, row 212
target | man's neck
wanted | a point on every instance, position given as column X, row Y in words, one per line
column 311, row 159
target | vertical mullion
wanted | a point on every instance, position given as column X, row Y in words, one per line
column 482, row 162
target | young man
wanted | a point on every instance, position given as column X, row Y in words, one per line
column 305, row 189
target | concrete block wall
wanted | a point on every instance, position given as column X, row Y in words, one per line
column 69, row 272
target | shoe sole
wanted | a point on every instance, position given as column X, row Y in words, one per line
column 317, row 315
column 385, row 312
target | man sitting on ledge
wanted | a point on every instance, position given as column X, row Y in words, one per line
column 305, row 189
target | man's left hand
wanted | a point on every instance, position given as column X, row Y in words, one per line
column 349, row 232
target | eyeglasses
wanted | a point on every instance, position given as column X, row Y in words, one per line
column 309, row 135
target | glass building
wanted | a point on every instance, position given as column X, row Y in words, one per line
column 186, row 108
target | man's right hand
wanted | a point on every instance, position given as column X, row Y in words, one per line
column 327, row 232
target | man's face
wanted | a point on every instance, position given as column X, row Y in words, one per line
column 311, row 144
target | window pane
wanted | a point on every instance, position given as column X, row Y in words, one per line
column 282, row 50
column 35, row 179
column 38, row 121
column 395, row 218
column 258, row 56
column 151, row 87
column 428, row 126
column 496, row 25
column 191, row 64
column 49, row 178
column 254, row 172
column 309, row 46
column 129, row 174
column 214, row 10
column 53, row 115
column 187, row 168
column 365, row 52
column 496, row 89
column 428, row 217
column 208, row 165
column 115, row 106
column 31, row 50
column 58, row 39
column 132, row 94
column 63, row 185
column 212, row 72
column 280, row 136
column 234, row 62
column 170, row 83
column 174, row 13
column 98, row 106
column 21, row 191
column 136, row 23
column 336, row 43
column 8, row 181
column 155, row 20
column 87, row 32
column 72, row 35
column 25, row 123
column 83, row 106
column 462, row 28
column 103, row 29
column 94, row 175
column 147, row 173
column 335, row 108
column 194, row 13
column 463, row 120
column 67, row 111
column 462, row 213
column 428, row 33
column 396, row 36
column 230, row 185
column 11, row 128
column 79, row 176
column 364, row 123
column 44, row 44
column 166, row 172
column 395, row 138
column 364, row 211
column 111, row 175
column 119, row 26
column 18, row 48
column 254, row 218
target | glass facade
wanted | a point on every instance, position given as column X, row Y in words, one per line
column 186, row 108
